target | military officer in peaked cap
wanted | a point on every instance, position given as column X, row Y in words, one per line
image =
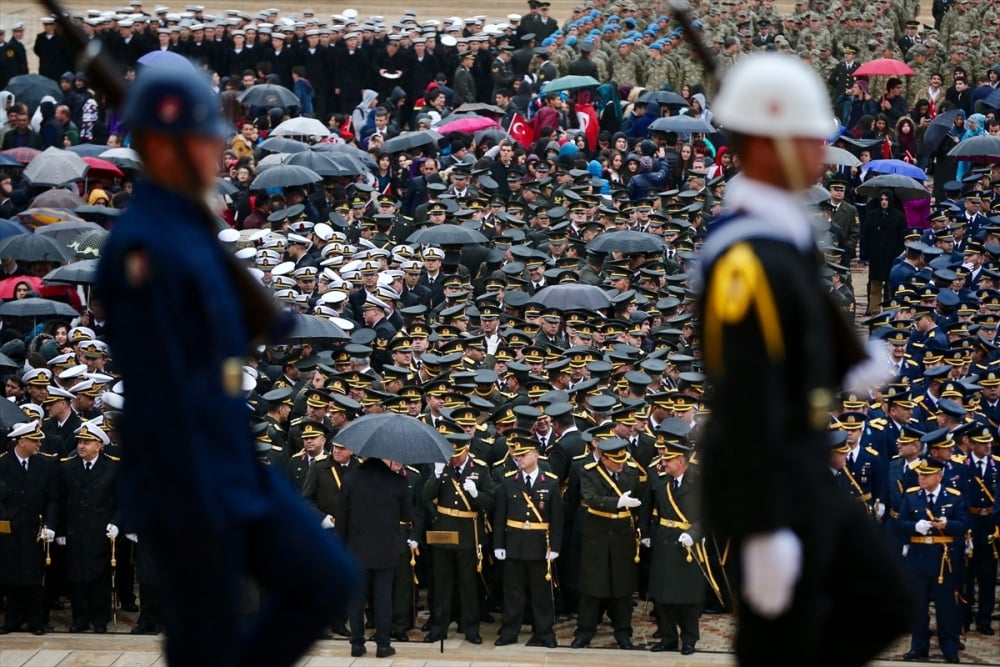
column 981, row 496
column 315, row 436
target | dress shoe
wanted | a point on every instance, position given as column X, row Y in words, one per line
column 143, row 629
column 714, row 609
column 400, row 636
column 687, row 649
column 985, row 630
column 625, row 644
column 580, row 642
column 910, row 656
column 341, row 630
column 551, row 643
column 384, row 651
column 660, row 647
column 130, row 606
column 504, row 641
column 658, row 634
column 101, row 629
column 474, row 639
column 77, row 628
column 952, row 659
column 538, row 641
column 426, row 627
column 433, row 637
column 358, row 650
column 37, row 631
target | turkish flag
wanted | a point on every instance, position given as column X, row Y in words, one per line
column 588, row 123
column 520, row 131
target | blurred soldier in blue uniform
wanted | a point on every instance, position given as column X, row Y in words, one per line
column 181, row 329
column 934, row 518
column 984, row 480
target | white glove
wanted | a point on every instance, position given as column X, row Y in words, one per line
column 879, row 510
column 132, row 537
column 686, row 540
column 771, row 565
column 500, row 554
column 327, row 522
column 47, row 534
column 61, row 541
column 645, row 542
column 438, row 469
column 470, row 487
column 626, row 500
column 551, row 555
column 412, row 544
column 923, row 526
column 968, row 547
column 906, row 550
column 112, row 530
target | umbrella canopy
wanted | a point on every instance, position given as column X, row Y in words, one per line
column 395, row 437
column 54, row 167
column 8, row 286
column 124, row 158
column 300, row 127
column 162, row 58
column 468, row 124
column 41, row 216
column 310, row 327
column 22, row 155
column 446, row 235
column 58, row 198
column 572, row 297
column 325, row 164
column 841, row 157
column 98, row 214
column 224, row 187
column 285, row 176
column 33, row 248
column 10, row 414
column 411, row 140
column 480, row 108
column 571, row 82
column 362, row 156
column 626, row 242
column 991, row 103
column 35, row 307
column 681, row 124
column 101, row 168
column 496, row 135
column 268, row 95
column 64, row 233
column 7, row 162
column 89, row 244
column 884, row 67
column 816, row 194
column 663, row 98
column 984, row 148
column 83, row 272
column 938, row 130
column 896, row 167
column 903, row 187
column 283, row 145
column 12, row 228
column 88, row 150
column 31, row 88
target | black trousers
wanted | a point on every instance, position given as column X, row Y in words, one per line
column 25, row 604
column 670, row 617
column 455, row 567
column 91, row 601
column 380, row 583
column 619, row 611
column 524, row 581
column 402, row 596
column 981, row 574
column 125, row 570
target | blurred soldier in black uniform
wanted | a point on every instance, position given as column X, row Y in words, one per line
column 88, row 499
column 461, row 491
column 28, row 514
column 528, row 521
column 610, row 489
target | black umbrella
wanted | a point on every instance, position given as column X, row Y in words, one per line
column 938, row 130
column 681, row 124
column 8, row 364
column 10, row 414
column 411, row 140
column 268, row 95
column 33, row 248
column 982, row 148
column 283, row 145
column 35, row 307
column 83, row 272
column 991, row 103
column 31, row 88
column 364, row 157
column 663, row 98
column 285, row 176
column 903, row 187
column 572, row 297
column 310, row 327
column 446, row 235
column 97, row 214
column 626, row 242
column 395, row 437
column 65, row 233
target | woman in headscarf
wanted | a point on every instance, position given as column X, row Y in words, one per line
column 975, row 125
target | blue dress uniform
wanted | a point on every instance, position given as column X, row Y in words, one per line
column 981, row 569
column 192, row 487
column 866, row 471
column 931, row 560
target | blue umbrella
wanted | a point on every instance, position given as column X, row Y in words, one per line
column 7, row 162
column 896, row 167
column 12, row 228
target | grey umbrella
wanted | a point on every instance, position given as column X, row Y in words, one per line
column 125, row 158
column 268, row 95
column 283, row 145
column 396, row 437
column 626, row 242
column 325, row 164
column 83, row 272
column 663, row 98
column 364, row 157
column 681, row 124
column 411, row 140
column 903, row 187
column 58, row 198
column 10, row 414
column 89, row 150
column 310, row 327
column 35, row 307
column 33, row 248
column 54, row 167
column 64, row 233
column 446, row 235
column 572, row 297
column 31, row 88
column 89, row 243
column 984, row 148
column 285, row 176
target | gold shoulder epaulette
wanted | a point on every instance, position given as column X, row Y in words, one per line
column 299, row 454
column 277, row 449
column 482, row 427
column 954, row 492
column 543, row 457
column 871, row 450
column 581, row 456
column 877, row 424
column 509, row 473
column 913, row 489
column 694, row 459
column 297, row 421
column 488, row 439
column 996, row 458
column 549, row 473
column 480, row 461
column 65, row 458
column 959, row 458
column 114, row 458
column 590, row 465
column 413, row 469
column 894, row 457
column 321, row 457
column 51, row 456
column 3, row 454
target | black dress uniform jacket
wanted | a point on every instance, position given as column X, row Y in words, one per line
column 88, row 503
column 24, row 495
column 513, row 512
column 607, row 566
column 672, row 580
column 325, row 480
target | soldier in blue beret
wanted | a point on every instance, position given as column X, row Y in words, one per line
column 180, row 326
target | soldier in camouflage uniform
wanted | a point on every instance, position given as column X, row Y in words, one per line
column 659, row 69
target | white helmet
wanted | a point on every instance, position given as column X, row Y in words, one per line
column 774, row 95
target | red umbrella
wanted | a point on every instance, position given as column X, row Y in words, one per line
column 469, row 124
column 101, row 169
column 65, row 293
column 884, row 67
column 8, row 285
column 24, row 155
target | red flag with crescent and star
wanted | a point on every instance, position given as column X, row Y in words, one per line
column 520, row 131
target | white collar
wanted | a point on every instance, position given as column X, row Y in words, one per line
column 781, row 208
column 20, row 461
